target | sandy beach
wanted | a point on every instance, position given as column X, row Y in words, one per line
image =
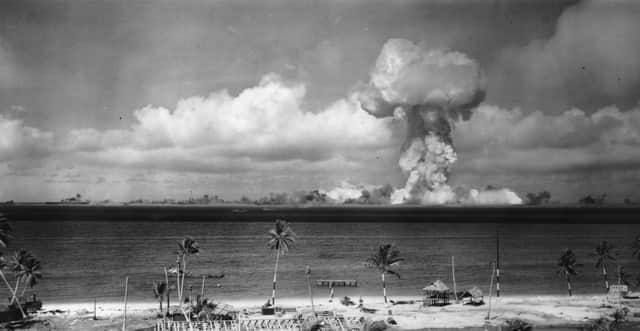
column 541, row 311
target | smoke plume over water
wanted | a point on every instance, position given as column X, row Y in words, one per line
column 431, row 89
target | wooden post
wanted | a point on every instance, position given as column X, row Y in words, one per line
column 126, row 287
column 453, row 274
column 493, row 270
column 331, row 292
column 202, row 289
column 94, row 308
column 308, row 273
column 166, row 279
column 498, row 264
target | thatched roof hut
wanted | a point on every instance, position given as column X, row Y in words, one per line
column 473, row 292
column 436, row 287
column 473, row 295
column 436, row 294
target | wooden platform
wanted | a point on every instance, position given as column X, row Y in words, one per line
column 337, row 283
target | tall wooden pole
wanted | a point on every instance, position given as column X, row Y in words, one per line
column 126, row 287
column 202, row 289
column 453, row 274
column 94, row 308
column 493, row 270
column 498, row 264
column 308, row 273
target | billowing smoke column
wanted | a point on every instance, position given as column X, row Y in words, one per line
column 431, row 90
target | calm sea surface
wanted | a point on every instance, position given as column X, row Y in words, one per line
column 83, row 259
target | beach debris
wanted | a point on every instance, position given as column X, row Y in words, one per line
column 371, row 325
column 402, row 302
column 347, row 301
column 368, row 310
column 473, row 296
column 518, row 325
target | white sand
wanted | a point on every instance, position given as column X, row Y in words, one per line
column 539, row 310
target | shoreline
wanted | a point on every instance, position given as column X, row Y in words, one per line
column 541, row 311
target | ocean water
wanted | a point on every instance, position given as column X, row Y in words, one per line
column 83, row 259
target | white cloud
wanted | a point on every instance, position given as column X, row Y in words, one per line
column 265, row 123
column 496, row 139
column 18, row 141
column 592, row 58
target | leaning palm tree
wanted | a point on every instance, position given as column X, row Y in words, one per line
column 26, row 269
column 4, row 265
column 30, row 274
column 159, row 291
column 567, row 267
column 603, row 254
column 384, row 258
column 5, row 234
column 281, row 238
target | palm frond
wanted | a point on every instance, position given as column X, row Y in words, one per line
column 395, row 273
column 281, row 237
column 384, row 258
column 5, row 231
column 188, row 246
column 567, row 263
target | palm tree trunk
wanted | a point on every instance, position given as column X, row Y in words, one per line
column 384, row 289
column 160, row 304
column 569, row 285
column 184, row 273
column 166, row 279
column 313, row 309
column 15, row 296
column 604, row 274
column 275, row 276
column 13, row 292
column 23, row 289
column 178, row 278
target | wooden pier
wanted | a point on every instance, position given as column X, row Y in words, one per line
column 337, row 283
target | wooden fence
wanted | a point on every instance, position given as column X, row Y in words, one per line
column 345, row 324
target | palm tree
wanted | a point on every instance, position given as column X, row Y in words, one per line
column 5, row 230
column 30, row 273
column 281, row 239
column 188, row 246
column 3, row 265
column 384, row 258
column 5, row 234
column 26, row 269
column 159, row 291
column 636, row 247
column 567, row 267
column 603, row 254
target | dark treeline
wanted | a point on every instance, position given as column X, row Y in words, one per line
column 512, row 214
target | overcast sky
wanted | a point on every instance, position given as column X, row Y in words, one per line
column 126, row 99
